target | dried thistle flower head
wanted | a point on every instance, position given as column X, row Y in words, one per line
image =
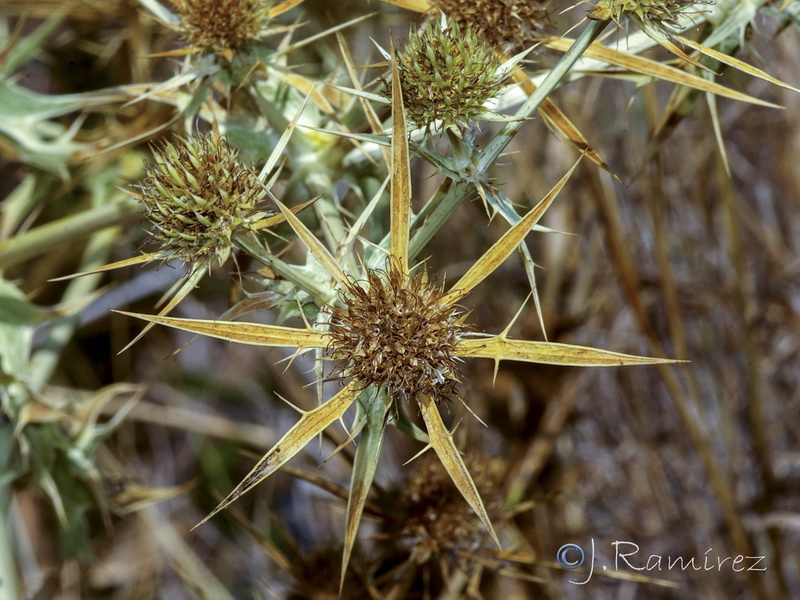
column 198, row 195
column 222, row 26
column 506, row 25
column 447, row 75
column 398, row 334
column 436, row 518
column 656, row 13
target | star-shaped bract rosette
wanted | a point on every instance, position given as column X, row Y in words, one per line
column 399, row 337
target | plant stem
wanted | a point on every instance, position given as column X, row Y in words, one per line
column 48, row 355
column 67, row 230
column 445, row 207
column 9, row 587
column 556, row 74
column 447, row 204
column 314, row 288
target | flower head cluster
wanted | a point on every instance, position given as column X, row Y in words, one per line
column 656, row 13
column 505, row 25
column 398, row 334
column 447, row 75
column 222, row 26
column 198, row 195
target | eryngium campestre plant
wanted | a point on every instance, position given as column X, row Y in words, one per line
column 447, row 75
column 198, row 195
column 440, row 312
column 505, row 25
column 222, row 26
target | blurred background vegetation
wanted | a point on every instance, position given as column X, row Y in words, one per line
column 109, row 460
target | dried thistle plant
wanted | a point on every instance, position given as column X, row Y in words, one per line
column 663, row 21
column 405, row 363
column 380, row 324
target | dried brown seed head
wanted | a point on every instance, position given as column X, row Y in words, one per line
column 656, row 13
column 398, row 334
column 435, row 516
column 222, row 26
column 505, row 25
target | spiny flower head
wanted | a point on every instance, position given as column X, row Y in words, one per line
column 398, row 334
column 505, row 25
column 657, row 13
column 198, row 195
column 447, row 75
column 432, row 513
column 222, row 26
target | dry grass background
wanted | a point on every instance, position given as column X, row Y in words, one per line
column 683, row 261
